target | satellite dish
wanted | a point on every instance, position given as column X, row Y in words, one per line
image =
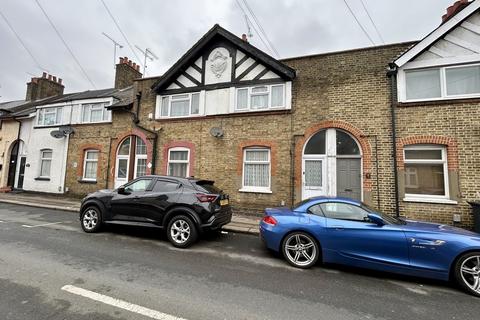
column 57, row 134
column 67, row 130
column 216, row 132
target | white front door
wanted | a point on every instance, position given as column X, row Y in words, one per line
column 314, row 176
column 121, row 170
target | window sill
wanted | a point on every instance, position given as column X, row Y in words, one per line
column 429, row 200
column 42, row 179
column 256, row 190
column 87, row 181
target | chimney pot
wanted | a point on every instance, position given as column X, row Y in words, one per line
column 44, row 75
column 50, row 77
column 130, row 62
column 137, row 68
column 54, row 79
column 59, row 80
column 244, row 37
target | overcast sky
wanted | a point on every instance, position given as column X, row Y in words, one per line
column 170, row 27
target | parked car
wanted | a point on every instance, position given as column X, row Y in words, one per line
column 345, row 231
column 184, row 207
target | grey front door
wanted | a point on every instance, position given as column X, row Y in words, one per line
column 349, row 178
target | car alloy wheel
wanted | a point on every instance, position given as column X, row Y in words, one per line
column 91, row 219
column 181, row 231
column 300, row 250
column 470, row 273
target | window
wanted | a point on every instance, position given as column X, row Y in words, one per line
column 138, row 185
column 90, row 164
column 95, row 113
column 260, row 97
column 425, row 172
column 140, row 158
column 180, row 105
column 165, row 186
column 442, row 83
column 256, row 170
column 45, row 163
column 49, row 116
column 178, row 162
column 344, row 211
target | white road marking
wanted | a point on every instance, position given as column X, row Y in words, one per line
column 41, row 225
column 119, row 303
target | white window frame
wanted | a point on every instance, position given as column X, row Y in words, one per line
column 443, row 83
column 50, row 110
column 179, row 161
column 139, row 157
column 269, row 92
column 189, row 99
column 88, row 107
column 43, row 158
column 85, row 160
column 410, row 197
column 255, row 189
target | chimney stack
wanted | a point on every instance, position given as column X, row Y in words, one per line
column 126, row 71
column 454, row 9
column 44, row 87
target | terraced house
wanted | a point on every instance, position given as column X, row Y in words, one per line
column 395, row 126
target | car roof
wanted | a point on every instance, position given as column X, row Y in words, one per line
column 307, row 203
column 190, row 179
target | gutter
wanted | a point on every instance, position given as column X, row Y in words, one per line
column 392, row 74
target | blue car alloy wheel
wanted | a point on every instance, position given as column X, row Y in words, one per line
column 300, row 250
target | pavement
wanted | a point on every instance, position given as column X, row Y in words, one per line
column 50, row 269
column 241, row 224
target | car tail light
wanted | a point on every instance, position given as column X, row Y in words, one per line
column 270, row 220
column 206, row 197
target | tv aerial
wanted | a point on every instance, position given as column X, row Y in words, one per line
column 147, row 53
column 115, row 45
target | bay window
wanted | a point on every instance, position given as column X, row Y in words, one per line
column 442, row 83
column 426, row 172
column 180, row 105
column 256, row 170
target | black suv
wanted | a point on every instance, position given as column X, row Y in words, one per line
column 184, row 206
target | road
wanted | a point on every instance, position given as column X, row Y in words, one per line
column 51, row 269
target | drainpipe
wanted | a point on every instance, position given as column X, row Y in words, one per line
column 136, row 121
column 392, row 74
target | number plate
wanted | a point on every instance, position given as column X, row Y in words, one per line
column 224, row 202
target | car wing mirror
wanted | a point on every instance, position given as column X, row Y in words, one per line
column 121, row 190
column 375, row 218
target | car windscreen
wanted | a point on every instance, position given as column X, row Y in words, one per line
column 206, row 186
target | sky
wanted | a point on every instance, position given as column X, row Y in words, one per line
column 170, row 27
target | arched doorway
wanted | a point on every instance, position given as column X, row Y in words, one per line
column 131, row 160
column 331, row 165
column 12, row 164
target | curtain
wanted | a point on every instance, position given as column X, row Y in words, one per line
column 423, row 84
column 465, row 80
column 277, row 96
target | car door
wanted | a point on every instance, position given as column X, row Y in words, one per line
column 158, row 200
column 353, row 239
column 127, row 205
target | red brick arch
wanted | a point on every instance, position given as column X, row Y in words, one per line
column 335, row 124
column 450, row 143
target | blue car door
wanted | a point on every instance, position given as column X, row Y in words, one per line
column 352, row 239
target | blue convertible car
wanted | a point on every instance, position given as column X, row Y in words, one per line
column 344, row 231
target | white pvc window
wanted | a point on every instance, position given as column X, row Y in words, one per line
column 426, row 172
column 140, row 158
column 49, row 116
column 442, row 83
column 256, row 170
column 180, row 105
column 95, row 112
column 179, row 162
column 260, row 97
column 90, row 165
column 45, row 163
